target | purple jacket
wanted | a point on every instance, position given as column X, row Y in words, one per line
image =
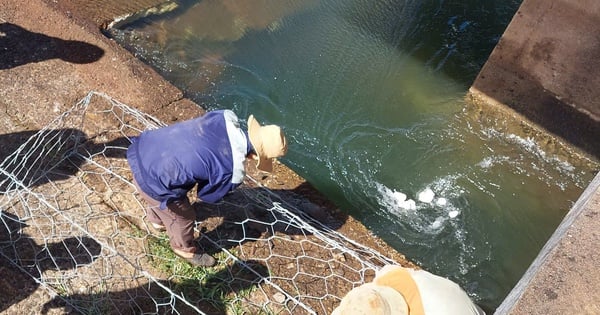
column 209, row 151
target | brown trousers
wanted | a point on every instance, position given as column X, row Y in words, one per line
column 178, row 218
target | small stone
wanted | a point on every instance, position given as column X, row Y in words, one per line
column 279, row 297
column 340, row 257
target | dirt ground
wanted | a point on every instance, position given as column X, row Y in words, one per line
column 52, row 53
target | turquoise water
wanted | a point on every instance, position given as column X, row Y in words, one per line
column 371, row 97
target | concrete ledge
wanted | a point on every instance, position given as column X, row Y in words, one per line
column 546, row 67
column 101, row 13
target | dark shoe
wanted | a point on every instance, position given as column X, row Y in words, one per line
column 200, row 260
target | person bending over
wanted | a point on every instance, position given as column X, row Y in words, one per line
column 208, row 151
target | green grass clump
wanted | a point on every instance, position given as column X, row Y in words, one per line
column 217, row 286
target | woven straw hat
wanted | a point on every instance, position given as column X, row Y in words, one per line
column 372, row 299
column 268, row 142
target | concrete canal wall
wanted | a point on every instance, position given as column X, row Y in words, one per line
column 546, row 70
column 546, row 67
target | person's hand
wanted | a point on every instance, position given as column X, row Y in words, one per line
column 181, row 205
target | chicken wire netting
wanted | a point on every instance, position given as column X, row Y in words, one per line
column 72, row 220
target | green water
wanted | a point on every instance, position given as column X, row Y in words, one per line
column 370, row 94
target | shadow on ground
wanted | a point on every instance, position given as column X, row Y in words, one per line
column 19, row 249
column 34, row 158
column 210, row 295
column 19, row 46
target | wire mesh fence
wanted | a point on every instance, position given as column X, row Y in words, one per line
column 72, row 220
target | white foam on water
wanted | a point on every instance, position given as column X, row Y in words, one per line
column 397, row 200
column 490, row 161
column 431, row 212
column 438, row 223
column 543, row 163
column 426, row 195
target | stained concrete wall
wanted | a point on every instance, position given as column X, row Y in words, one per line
column 546, row 67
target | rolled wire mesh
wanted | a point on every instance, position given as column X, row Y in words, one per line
column 72, row 220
